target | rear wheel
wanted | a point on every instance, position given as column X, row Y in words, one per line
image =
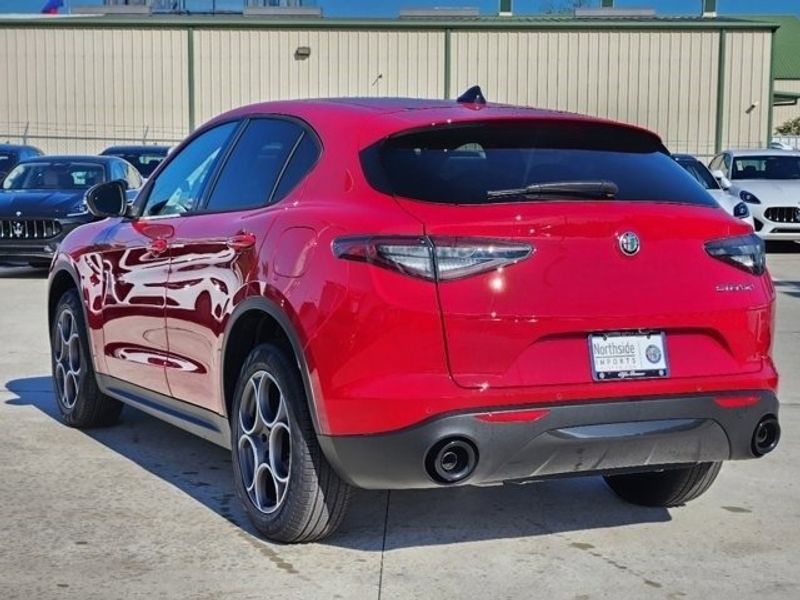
column 290, row 492
column 79, row 400
column 670, row 487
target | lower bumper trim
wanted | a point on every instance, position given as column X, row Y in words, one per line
column 637, row 434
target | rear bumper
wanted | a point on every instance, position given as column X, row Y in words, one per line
column 633, row 434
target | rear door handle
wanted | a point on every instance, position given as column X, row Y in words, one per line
column 158, row 246
column 241, row 241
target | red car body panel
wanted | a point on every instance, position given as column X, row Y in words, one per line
column 385, row 351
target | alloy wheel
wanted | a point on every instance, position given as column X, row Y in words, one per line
column 264, row 444
column 68, row 359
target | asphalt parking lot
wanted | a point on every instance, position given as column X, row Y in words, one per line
column 144, row 510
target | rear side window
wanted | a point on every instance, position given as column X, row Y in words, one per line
column 254, row 165
column 118, row 171
column 132, row 177
column 303, row 159
column 462, row 164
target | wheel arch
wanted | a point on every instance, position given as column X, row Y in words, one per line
column 62, row 280
column 259, row 320
column 64, row 277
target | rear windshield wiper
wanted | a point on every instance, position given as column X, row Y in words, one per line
column 564, row 189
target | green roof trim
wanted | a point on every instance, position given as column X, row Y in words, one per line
column 787, row 44
column 488, row 22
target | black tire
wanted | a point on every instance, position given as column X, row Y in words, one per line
column 79, row 400
column 314, row 500
column 670, row 487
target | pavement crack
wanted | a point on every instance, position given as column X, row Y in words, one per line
column 593, row 551
column 383, row 545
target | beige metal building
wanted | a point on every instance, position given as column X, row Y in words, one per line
column 786, row 98
column 77, row 84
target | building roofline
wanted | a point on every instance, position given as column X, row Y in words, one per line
column 466, row 23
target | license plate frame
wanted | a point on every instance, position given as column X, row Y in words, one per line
column 628, row 356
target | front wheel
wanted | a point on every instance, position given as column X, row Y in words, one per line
column 290, row 492
column 670, row 487
column 80, row 401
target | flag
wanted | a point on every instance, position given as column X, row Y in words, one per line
column 52, row 6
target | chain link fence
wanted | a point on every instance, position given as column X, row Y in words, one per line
column 52, row 138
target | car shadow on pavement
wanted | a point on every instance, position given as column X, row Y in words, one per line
column 790, row 288
column 8, row 272
column 377, row 520
column 782, row 247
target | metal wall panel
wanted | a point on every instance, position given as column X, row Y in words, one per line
column 747, row 77
column 80, row 90
column 781, row 114
column 662, row 80
column 237, row 67
column 76, row 89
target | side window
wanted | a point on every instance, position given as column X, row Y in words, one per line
column 254, row 166
column 132, row 177
column 304, row 157
column 118, row 170
column 726, row 160
column 180, row 185
column 716, row 164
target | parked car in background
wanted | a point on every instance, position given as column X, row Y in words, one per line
column 769, row 182
column 399, row 293
column 43, row 198
column 778, row 145
column 144, row 158
column 718, row 189
column 11, row 154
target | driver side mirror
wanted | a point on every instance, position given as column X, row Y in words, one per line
column 723, row 181
column 107, row 199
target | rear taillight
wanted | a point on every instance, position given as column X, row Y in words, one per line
column 745, row 252
column 435, row 259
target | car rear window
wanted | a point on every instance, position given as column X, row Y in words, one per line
column 145, row 163
column 461, row 164
column 696, row 169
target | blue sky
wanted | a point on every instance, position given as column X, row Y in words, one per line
column 388, row 8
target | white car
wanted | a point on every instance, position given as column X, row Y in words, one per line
column 732, row 205
column 769, row 182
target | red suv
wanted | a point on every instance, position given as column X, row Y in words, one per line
column 394, row 293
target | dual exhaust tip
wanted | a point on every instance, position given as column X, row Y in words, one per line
column 766, row 436
column 451, row 460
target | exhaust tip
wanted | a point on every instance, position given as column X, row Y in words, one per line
column 766, row 436
column 451, row 460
